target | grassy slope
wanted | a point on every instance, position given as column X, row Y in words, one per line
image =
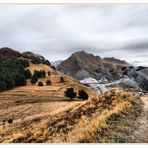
column 42, row 114
column 80, row 122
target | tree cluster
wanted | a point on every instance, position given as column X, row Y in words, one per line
column 40, row 73
column 37, row 74
column 11, row 74
column 70, row 93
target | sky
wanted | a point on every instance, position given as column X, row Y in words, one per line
column 57, row 31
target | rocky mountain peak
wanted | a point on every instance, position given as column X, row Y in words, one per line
column 82, row 65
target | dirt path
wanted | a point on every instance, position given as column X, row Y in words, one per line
column 141, row 134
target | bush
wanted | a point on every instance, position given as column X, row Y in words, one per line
column 35, row 76
column 33, row 80
column 49, row 73
column 53, row 67
column 3, row 86
column 48, row 82
column 10, row 121
column 70, row 93
column 43, row 73
column 82, row 95
column 27, row 74
column 40, row 84
column 62, row 79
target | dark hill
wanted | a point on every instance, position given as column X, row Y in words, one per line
column 8, row 53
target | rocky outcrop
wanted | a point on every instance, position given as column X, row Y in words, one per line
column 140, row 76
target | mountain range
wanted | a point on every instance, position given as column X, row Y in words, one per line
column 111, row 71
column 99, row 73
column 82, row 65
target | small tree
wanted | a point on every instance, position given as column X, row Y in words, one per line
column 10, row 121
column 70, row 93
column 35, row 76
column 27, row 74
column 40, row 84
column 33, row 80
column 53, row 67
column 49, row 73
column 62, row 79
column 48, row 82
column 82, row 95
column 43, row 73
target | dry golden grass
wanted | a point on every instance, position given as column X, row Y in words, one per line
column 78, row 122
column 43, row 114
column 33, row 67
column 24, row 104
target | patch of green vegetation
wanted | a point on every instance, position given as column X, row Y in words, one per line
column 12, row 73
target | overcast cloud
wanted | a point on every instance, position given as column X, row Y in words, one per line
column 56, row 31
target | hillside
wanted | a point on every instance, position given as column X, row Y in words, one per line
column 43, row 119
column 8, row 53
column 82, row 65
column 33, row 113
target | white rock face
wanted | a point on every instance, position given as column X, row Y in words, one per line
column 124, row 82
column 89, row 80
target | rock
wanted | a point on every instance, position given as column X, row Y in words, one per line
column 140, row 77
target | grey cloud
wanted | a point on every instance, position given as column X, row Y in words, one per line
column 56, row 31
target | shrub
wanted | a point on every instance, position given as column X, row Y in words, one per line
column 3, row 86
column 48, row 82
column 40, row 84
column 33, row 80
column 70, row 93
column 53, row 67
column 82, row 95
column 35, row 76
column 49, row 73
column 10, row 121
column 62, row 79
column 27, row 74
column 43, row 73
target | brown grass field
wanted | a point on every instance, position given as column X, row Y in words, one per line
column 44, row 115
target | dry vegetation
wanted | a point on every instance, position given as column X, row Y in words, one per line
column 43, row 114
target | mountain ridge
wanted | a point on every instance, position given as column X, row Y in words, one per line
column 82, row 63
